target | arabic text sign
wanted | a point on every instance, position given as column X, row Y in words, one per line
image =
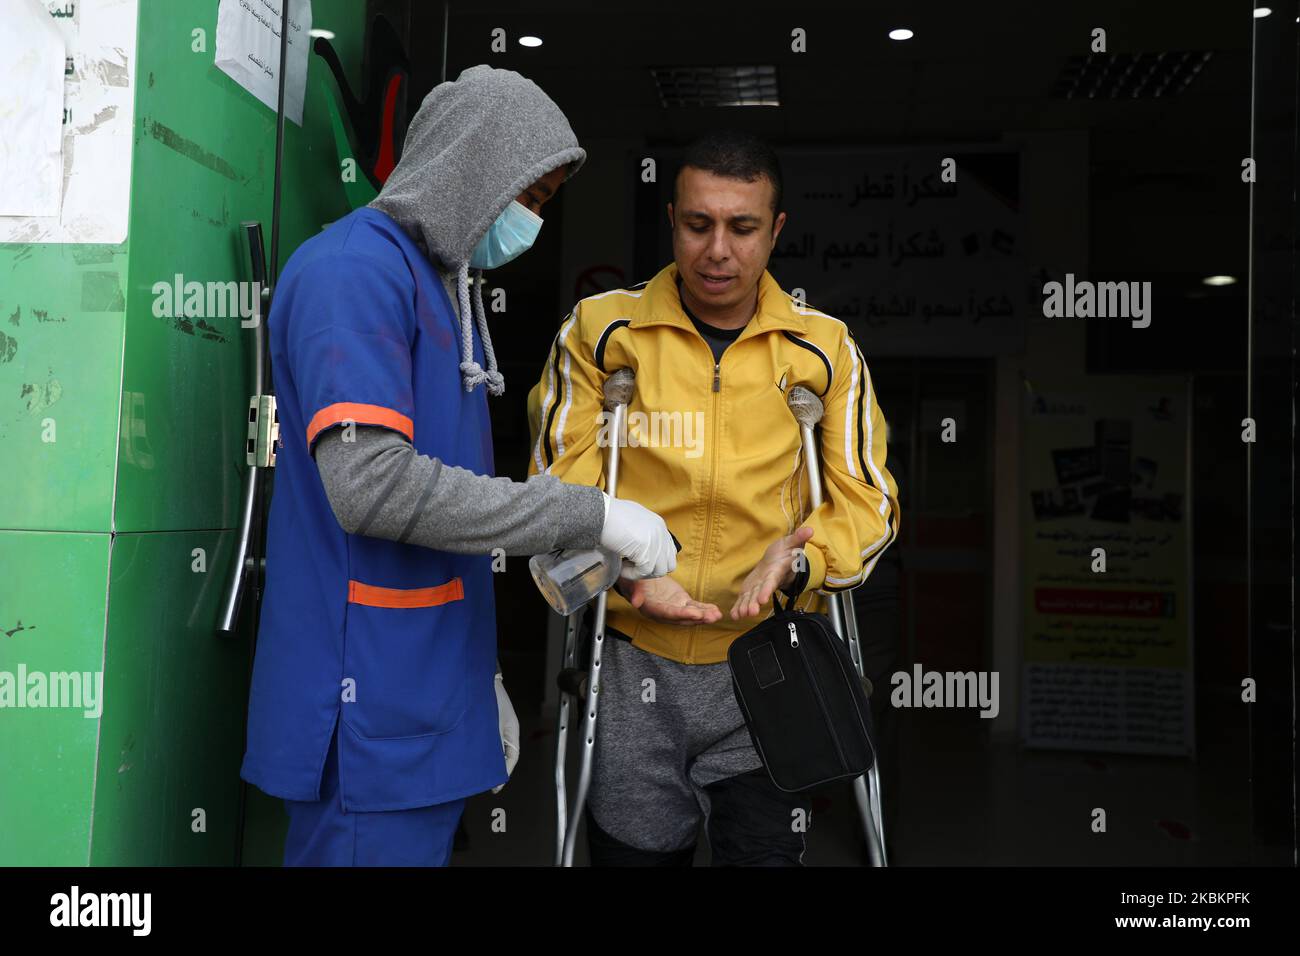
column 248, row 49
column 914, row 264
column 1108, row 652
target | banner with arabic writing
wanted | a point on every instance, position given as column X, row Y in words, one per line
column 1107, row 639
column 917, row 261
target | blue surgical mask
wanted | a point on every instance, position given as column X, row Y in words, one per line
column 514, row 231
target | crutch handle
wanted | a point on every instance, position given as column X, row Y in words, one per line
column 572, row 681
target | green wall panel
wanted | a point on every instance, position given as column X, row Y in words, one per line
column 52, row 593
column 172, row 732
column 149, row 419
column 61, row 321
column 204, row 163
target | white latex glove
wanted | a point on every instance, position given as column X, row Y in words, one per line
column 640, row 536
column 508, row 724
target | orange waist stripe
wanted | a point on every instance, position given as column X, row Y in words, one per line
column 372, row 596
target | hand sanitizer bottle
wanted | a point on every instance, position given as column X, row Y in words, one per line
column 569, row 579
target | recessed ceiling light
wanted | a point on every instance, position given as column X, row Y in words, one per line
column 530, row 41
column 1262, row 12
column 901, row 34
column 323, row 34
column 1219, row 280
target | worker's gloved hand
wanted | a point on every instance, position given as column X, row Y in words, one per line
column 640, row 536
column 509, row 726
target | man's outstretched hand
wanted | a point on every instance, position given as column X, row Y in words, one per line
column 665, row 600
column 776, row 570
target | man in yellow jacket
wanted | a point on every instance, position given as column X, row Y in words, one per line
column 712, row 447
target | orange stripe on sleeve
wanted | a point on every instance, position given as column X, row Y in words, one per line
column 362, row 415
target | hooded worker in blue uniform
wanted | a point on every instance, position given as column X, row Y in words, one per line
column 376, row 705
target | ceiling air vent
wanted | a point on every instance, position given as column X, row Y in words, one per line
column 716, row 85
column 1127, row 76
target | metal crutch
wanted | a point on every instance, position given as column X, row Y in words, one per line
column 618, row 392
column 807, row 409
column 568, row 689
column 845, row 598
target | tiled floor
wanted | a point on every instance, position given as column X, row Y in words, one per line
column 963, row 801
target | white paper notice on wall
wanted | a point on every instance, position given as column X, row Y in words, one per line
column 93, row 113
column 248, row 49
column 32, row 61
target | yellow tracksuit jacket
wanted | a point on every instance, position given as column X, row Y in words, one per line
column 713, row 447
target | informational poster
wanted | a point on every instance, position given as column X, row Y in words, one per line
column 918, row 251
column 31, row 110
column 248, row 49
column 96, row 116
column 1107, row 652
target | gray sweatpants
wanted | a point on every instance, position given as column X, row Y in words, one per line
column 664, row 732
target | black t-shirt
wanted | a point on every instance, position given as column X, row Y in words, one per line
column 718, row 338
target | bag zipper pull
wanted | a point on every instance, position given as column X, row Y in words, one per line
column 794, row 635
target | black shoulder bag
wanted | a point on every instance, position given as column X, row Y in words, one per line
column 802, row 699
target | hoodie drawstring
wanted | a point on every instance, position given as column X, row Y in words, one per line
column 471, row 372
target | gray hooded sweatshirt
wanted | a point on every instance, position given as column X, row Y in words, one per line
column 472, row 147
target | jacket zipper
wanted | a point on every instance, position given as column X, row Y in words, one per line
column 821, row 700
column 713, row 475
